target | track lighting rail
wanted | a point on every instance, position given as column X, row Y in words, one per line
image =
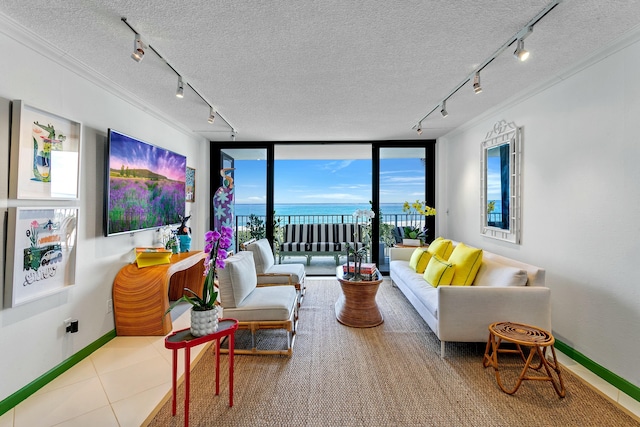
column 212, row 111
column 520, row 35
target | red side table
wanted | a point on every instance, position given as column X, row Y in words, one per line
column 184, row 339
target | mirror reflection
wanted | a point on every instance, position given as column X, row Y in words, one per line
column 500, row 182
column 497, row 189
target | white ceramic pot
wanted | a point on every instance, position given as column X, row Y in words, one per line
column 204, row 322
column 411, row 242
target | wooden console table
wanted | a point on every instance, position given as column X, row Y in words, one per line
column 141, row 295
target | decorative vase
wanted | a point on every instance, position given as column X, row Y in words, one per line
column 185, row 242
column 411, row 242
column 204, row 322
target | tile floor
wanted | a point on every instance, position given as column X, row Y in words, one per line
column 124, row 381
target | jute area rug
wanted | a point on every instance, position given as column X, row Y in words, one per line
column 390, row 375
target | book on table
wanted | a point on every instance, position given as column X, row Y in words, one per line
column 366, row 268
column 146, row 257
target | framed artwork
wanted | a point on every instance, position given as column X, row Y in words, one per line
column 191, row 184
column 45, row 154
column 41, row 253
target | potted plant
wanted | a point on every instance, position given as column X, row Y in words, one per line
column 204, row 313
column 413, row 235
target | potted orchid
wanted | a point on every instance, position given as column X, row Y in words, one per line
column 204, row 315
column 414, row 235
column 359, row 253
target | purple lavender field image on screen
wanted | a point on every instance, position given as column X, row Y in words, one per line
column 146, row 185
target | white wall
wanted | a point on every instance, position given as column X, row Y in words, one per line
column 32, row 337
column 580, row 202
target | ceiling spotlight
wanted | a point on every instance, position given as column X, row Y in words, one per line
column 521, row 53
column 476, row 83
column 419, row 130
column 443, row 111
column 180, row 88
column 212, row 115
column 138, row 49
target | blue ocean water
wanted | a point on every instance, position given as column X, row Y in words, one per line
column 326, row 208
column 315, row 209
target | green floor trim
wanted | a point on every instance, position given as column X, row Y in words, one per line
column 35, row 385
column 613, row 379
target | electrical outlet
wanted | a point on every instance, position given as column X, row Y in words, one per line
column 109, row 306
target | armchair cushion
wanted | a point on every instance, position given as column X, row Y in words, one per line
column 237, row 279
column 271, row 303
column 262, row 255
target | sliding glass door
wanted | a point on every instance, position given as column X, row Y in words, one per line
column 325, row 183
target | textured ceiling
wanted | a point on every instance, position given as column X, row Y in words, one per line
column 285, row 70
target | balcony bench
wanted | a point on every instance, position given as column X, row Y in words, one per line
column 319, row 240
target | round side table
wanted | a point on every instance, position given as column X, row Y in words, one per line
column 538, row 340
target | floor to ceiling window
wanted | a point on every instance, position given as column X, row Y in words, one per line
column 401, row 179
column 325, row 183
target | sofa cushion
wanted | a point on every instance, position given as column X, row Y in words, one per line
column 441, row 247
column 492, row 273
column 419, row 260
column 439, row 272
column 237, row 279
column 467, row 261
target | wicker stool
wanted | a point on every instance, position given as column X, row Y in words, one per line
column 538, row 340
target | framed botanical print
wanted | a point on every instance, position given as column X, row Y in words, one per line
column 41, row 253
column 45, row 154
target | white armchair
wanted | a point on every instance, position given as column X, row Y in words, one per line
column 254, row 306
column 271, row 273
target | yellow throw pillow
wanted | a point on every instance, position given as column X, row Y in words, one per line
column 441, row 247
column 416, row 260
column 439, row 272
column 419, row 260
column 467, row 261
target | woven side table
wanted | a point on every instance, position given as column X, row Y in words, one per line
column 538, row 340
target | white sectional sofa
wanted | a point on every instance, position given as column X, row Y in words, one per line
column 503, row 290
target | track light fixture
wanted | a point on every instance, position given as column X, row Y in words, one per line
column 521, row 53
column 419, row 130
column 180, row 88
column 138, row 53
column 476, row 83
column 138, row 48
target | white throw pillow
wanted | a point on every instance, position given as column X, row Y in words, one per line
column 493, row 273
column 237, row 279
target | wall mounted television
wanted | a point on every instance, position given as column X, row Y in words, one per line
column 145, row 185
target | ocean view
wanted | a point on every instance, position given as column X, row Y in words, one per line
column 315, row 209
column 324, row 208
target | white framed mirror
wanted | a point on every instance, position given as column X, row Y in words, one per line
column 500, row 182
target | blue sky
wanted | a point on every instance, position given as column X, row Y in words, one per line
column 329, row 181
